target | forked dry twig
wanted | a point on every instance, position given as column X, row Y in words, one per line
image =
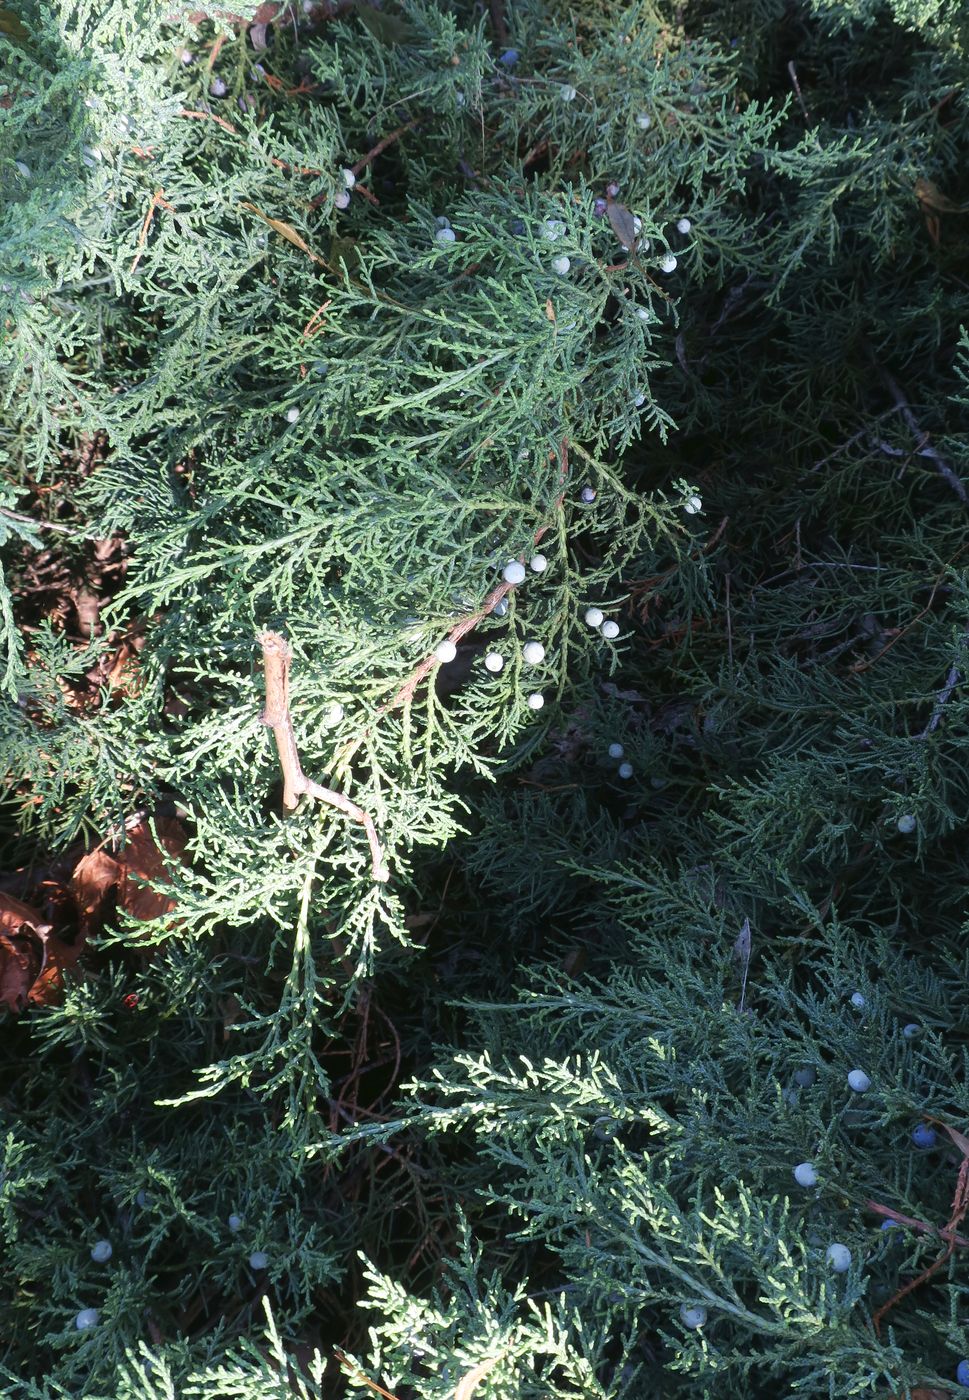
column 277, row 656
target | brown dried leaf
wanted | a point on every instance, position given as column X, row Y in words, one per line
column 19, row 965
column 124, row 674
column 960, row 1140
column 622, row 224
column 928, row 194
column 94, row 877
column 105, row 549
column 58, row 957
column 32, row 959
column 284, row 230
column 97, row 874
column 143, row 860
column 14, row 915
column 12, row 25
column 231, row 1010
column 87, row 605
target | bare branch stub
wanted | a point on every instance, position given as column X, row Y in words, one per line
column 277, row 657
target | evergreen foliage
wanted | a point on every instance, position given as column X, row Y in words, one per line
column 324, row 314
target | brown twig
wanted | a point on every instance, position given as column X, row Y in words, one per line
column 213, row 56
column 276, row 659
column 951, row 681
column 315, row 323
column 406, row 692
column 457, row 632
column 468, row 624
column 651, row 585
column 382, row 145
column 849, row 442
column 367, row 194
column 922, row 1226
column 960, row 1204
column 210, row 117
column 348, row 1365
column 158, row 201
column 42, row 524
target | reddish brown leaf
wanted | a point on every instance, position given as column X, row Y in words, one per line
column 32, row 959
column 19, row 965
column 14, row 915
column 124, row 674
column 21, row 951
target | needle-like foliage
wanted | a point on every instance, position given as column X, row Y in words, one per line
column 621, row 861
